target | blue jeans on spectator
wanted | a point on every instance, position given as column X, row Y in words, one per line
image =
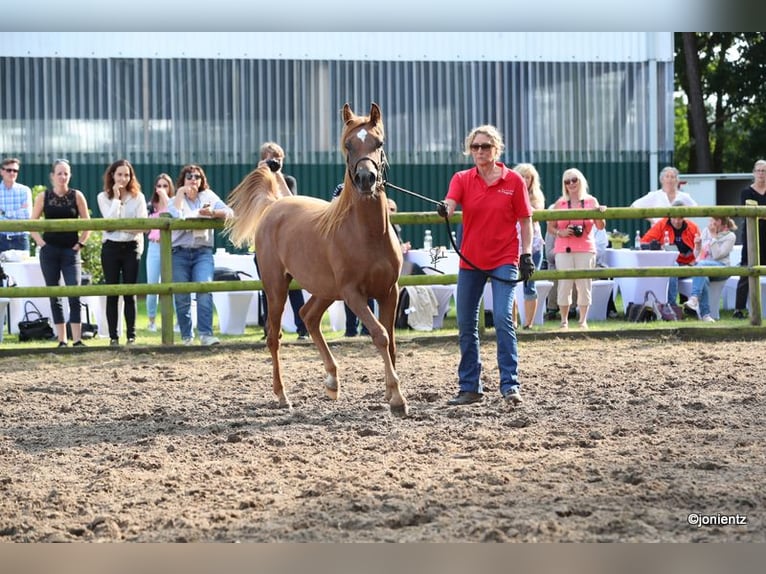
column 193, row 265
column 152, row 276
column 701, row 286
column 56, row 262
column 352, row 321
column 470, row 288
column 19, row 241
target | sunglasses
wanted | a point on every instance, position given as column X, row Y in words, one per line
column 569, row 181
column 193, row 176
column 11, row 170
column 481, row 146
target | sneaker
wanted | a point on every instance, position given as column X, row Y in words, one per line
column 513, row 396
column 739, row 314
column 78, row 344
column 693, row 304
column 114, row 342
column 466, row 398
column 62, row 344
column 207, row 340
column 131, row 340
column 303, row 337
column 708, row 319
column 152, row 328
column 188, row 341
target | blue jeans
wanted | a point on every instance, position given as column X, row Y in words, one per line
column 56, row 262
column 701, row 286
column 19, row 242
column 193, row 265
column 152, row 276
column 470, row 288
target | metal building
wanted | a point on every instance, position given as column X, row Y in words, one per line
column 602, row 102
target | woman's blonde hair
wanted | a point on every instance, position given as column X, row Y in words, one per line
column 494, row 137
column 536, row 197
column 568, row 174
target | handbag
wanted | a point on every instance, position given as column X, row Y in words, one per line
column 644, row 312
column 34, row 327
column 671, row 312
column 88, row 330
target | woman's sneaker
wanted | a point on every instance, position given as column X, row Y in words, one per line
column 208, row 340
column 693, row 304
column 708, row 319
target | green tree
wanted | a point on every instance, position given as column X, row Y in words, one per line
column 721, row 76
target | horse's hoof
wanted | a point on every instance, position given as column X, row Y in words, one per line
column 331, row 387
column 400, row 410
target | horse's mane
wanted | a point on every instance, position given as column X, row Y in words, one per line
column 249, row 200
column 339, row 208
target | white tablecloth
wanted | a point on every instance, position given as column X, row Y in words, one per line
column 27, row 273
column 447, row 264
column 633, row 289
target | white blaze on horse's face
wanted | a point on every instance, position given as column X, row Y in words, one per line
column 362, row 134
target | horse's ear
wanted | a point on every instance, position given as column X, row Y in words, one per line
column 346, row 114
column 375, row 113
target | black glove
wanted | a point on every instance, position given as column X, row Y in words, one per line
column 442, row 209
column 526, row 266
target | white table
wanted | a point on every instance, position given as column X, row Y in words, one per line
column 27, row 273
column 447, row 264
column 633, row 289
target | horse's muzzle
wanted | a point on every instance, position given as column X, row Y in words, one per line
column 365, row 179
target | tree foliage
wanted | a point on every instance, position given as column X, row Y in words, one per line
column 721, row 76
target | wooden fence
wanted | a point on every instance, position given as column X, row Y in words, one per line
column 751, row 213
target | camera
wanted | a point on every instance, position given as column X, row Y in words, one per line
column 274, row 164
column 577, row 230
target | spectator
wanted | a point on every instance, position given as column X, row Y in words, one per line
column 531, row 177
column 667, row 195
column 711, row 249
column 681, row 233
column 756, row 191
column 193, row 250
column 158, row 204
column 494, row 200
column 273, row 152
column 121, row 250
column 575, row 246
column 15, row 203
column 60, row 250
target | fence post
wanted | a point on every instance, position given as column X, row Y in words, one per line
column 753, row 255
column 167, row 311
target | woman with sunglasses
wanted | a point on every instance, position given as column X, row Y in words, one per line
column 193, row 250
column 158, row 204
column 575, row 245
column 495, row 207
column 121, row 250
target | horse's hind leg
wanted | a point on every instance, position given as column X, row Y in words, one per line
column 311, row 313
column 276, row 300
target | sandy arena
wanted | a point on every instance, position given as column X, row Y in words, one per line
column 618, row 440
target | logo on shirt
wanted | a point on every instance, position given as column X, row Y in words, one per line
column 505, row 191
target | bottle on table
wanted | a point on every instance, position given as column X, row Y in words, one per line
column 637, row 240
column 427, row 240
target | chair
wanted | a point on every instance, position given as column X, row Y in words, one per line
column 3, row 314
column 543, row 288
column 232, row 307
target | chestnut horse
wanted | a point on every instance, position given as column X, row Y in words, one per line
column 344, row 249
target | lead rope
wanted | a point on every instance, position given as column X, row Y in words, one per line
column 451, row 238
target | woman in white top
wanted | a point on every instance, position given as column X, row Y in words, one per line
column 666, row 195
column 121, row 250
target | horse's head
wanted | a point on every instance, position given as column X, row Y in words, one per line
column 362, row 144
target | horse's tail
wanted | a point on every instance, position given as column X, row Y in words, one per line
column 256, row 193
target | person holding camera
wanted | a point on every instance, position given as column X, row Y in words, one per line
column 497, row 239
column 575, row 245
column 273, row 156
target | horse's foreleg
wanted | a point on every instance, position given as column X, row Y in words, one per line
column 383, row 337
column 311, row 313
column 387, row 318
column 276, row 303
